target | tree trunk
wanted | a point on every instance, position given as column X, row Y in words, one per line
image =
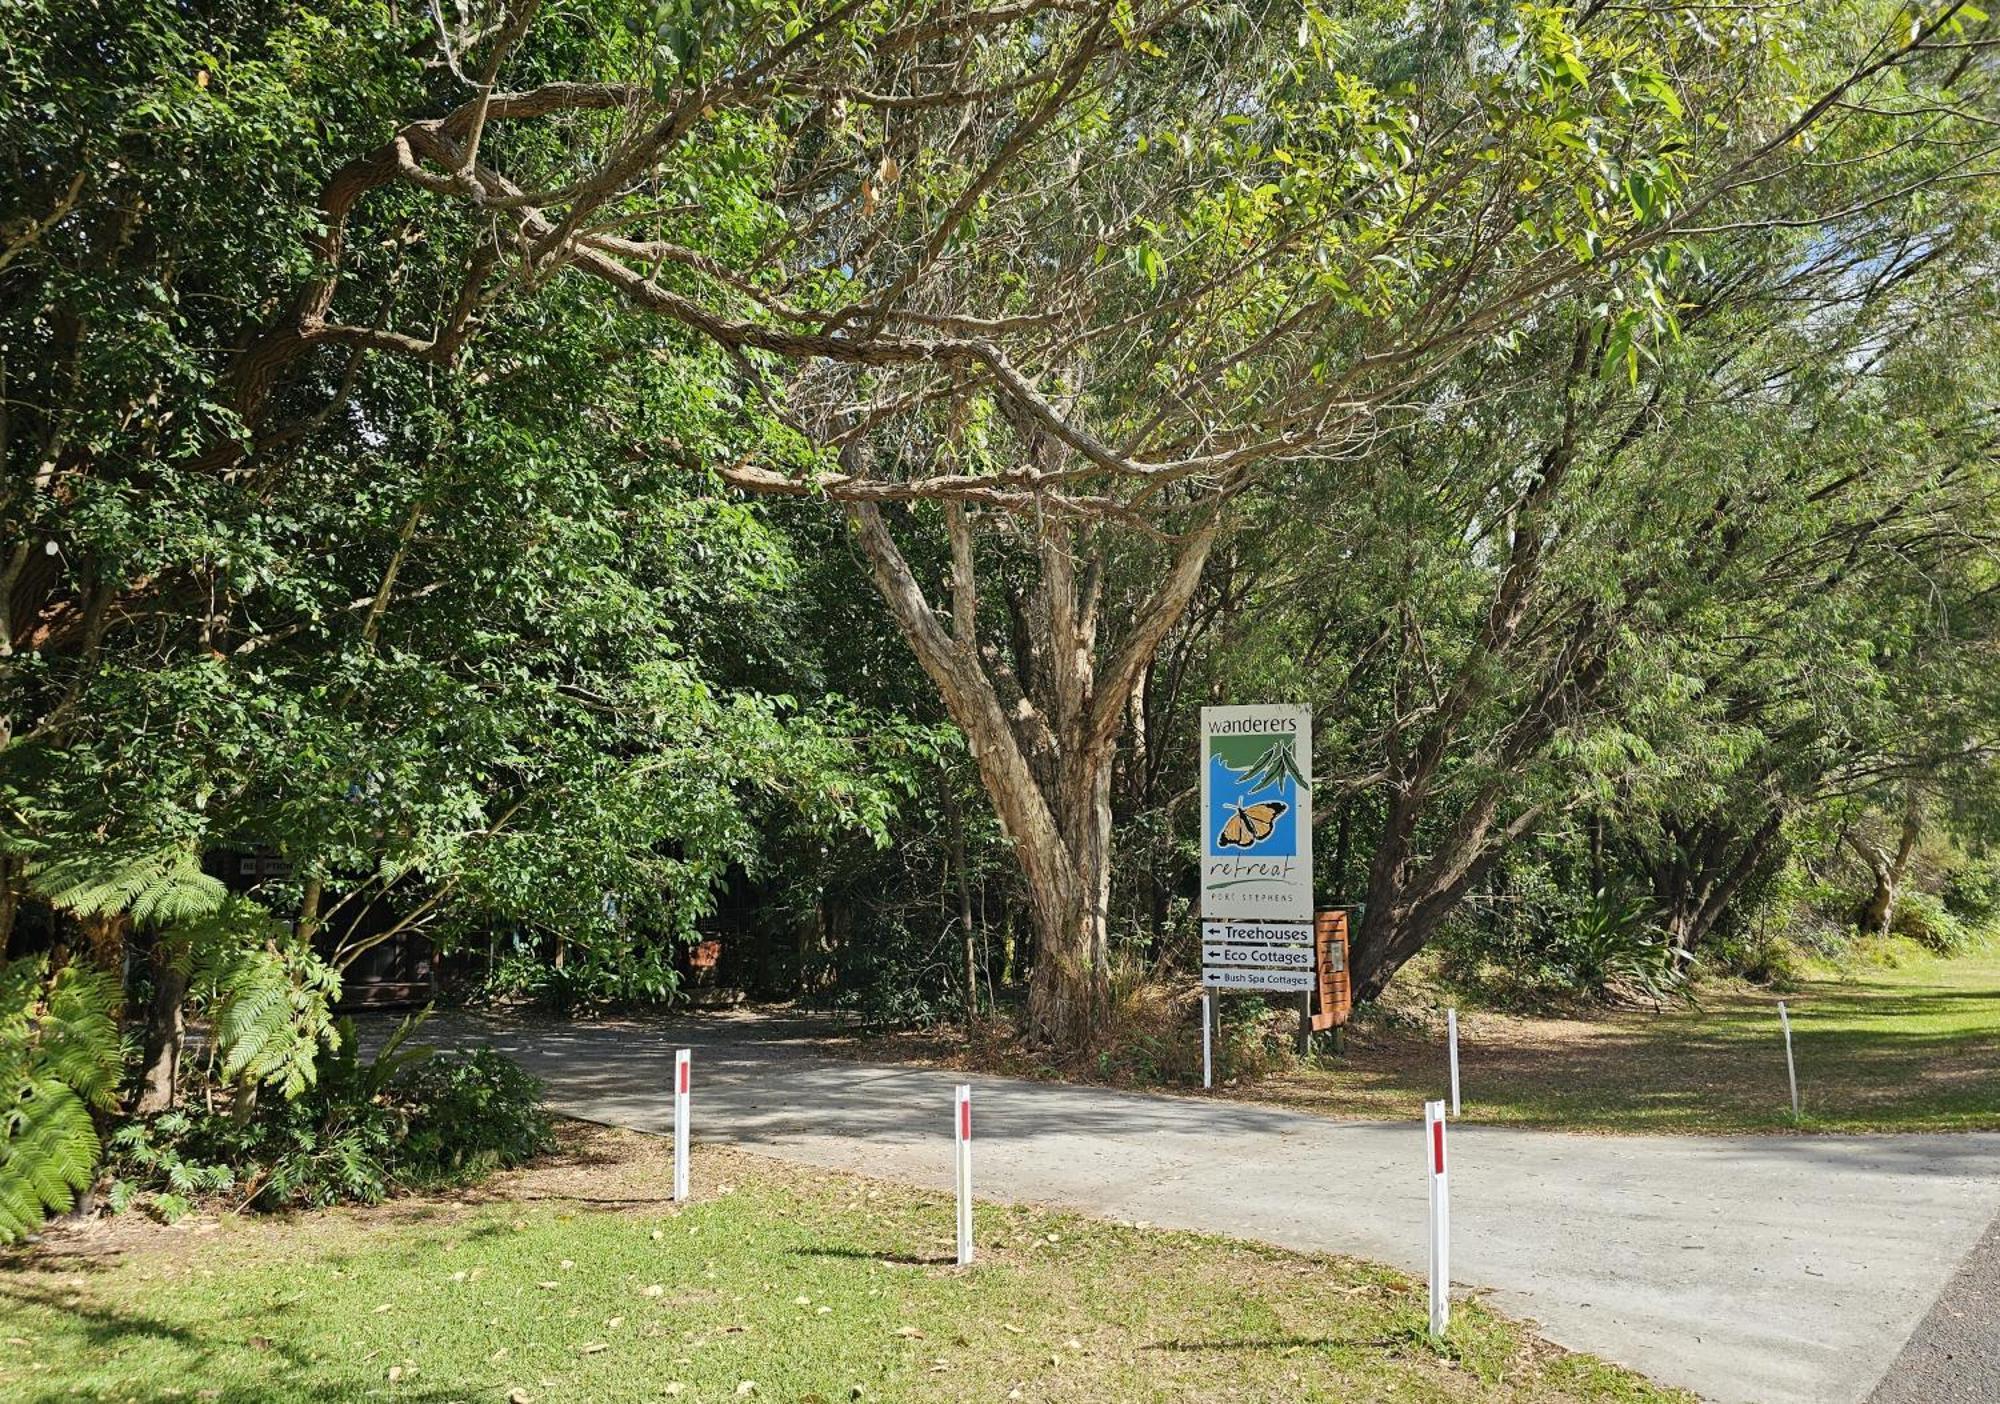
column 1045, row 753
column 1887, row 869
column 10, row 904
column 967, row 935
column 160, row 1071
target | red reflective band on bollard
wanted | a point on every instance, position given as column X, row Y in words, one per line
column 1437, row 1147
column 684, row 1077
column 965, row 1121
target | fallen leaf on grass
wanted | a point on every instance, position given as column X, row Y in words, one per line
column 395, row 1373
column 382, row 1308
column 519, row 1396
column 548, row 1286
column 1010, row 1326
column 655, row 1290
column 593, row 1348
column 674, row 1387
column 497, row 1356
column 909, row 1333
column 744, row 1387
column 614, row 1323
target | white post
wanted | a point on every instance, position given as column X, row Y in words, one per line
column 1207, row 1053
column 961, row 1126
column 1791, row 1071
column 1451, row 1023
column 1440, row 1217
column 683, row 1077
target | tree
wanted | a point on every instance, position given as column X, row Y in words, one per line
column 1678, row 600
column 1080, row 268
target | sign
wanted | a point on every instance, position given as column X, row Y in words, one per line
column 1258, row 957
column 1256, row 814
column 1330, row 936
column 1256, row 950
column 1272, row 981
column 1257, row 933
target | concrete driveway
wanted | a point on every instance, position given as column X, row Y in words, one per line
column 1774, row 1269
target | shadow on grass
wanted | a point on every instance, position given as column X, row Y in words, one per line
column 287, row 1391
column 863, row 1255
column 1391, row 1341
column 95, row 1333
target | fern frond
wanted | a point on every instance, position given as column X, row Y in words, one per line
column 48, row 1153
column 155, row 885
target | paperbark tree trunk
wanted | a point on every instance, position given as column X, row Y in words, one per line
column 1042, row 717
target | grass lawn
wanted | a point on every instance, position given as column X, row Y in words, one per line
column 1910, row 1049
column 577, row 1282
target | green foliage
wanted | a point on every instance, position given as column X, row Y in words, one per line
column 1972, row 893
column 153, row 886
column 1611, row 947
column 407, row 1117
column 59, row 1060
column 471, row 1114
column 1925, row 918
column 269, row 995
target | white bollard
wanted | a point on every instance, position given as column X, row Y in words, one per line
column 1451, row 1022
column 1791, row 1072
column 1440, row 1217
column 1207, row 1052
column 683, row 1079
column 961, row 1126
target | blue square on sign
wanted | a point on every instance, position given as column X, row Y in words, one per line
column 1253, row 808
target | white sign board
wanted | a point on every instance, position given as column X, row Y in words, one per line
column 1256, row 814
column 1256, row 945
column 1258, row 957
column 1275, row 981
column 1257, row 933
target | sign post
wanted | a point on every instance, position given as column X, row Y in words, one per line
column 961, row 1127
column 1451, row 1025
column 683, row 1059
column 1440, row 1217
column 1791, row 1070
column 1207, row 1042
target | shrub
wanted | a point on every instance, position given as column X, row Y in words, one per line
column 1762, row 957
column 1972, row 894
column 1923, row 917
column 468, row 1116
column 1611, row 948
column 406, row 1118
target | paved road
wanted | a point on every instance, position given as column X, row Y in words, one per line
column 1954, row 1358
column 1785, row 1270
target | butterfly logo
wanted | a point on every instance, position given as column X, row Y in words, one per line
column 1250, row 825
